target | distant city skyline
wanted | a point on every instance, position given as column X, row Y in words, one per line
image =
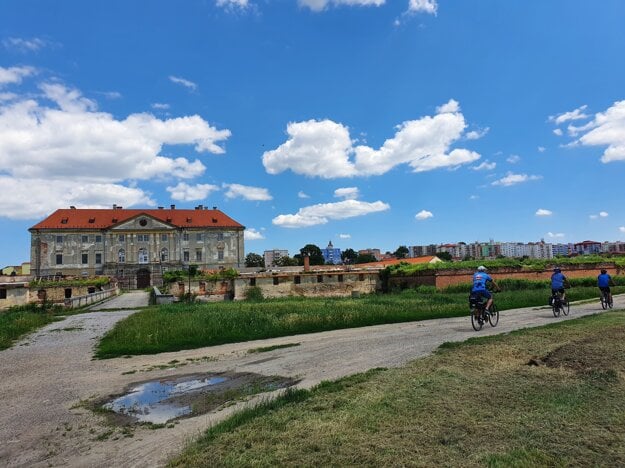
column 367, row 124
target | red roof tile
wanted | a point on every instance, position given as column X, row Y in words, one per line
column 106, row 218
column 393, row 261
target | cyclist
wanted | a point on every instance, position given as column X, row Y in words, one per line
column 479, row 289
column 604, row 281
column 558, row 283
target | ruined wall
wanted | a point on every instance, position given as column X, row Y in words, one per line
column 204, row 290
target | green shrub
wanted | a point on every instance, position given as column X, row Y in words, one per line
column 254, row 294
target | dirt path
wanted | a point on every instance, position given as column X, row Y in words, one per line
column 46, row 376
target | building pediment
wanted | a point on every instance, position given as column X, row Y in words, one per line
column 142, row 222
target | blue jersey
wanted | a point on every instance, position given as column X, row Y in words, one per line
column 603, row 280
column 557, row 281
column 480, row 279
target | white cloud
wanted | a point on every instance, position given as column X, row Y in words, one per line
column 348, row 193
column 324, row 148
column 229, row 4
column 246, row 192
column 44, row 196
column 543, row 212
column 423, row 6
column 301, row 194
column 576, row 114
column 607, row 129
column 252, row 234
column 451, row 107
column 24, row 45
column 555, row 235
column 513, row 179
column 185, row 192
column 15, row 75
column 622, row 228
column 541, row 149
column 160, row 106
column 181, row 81
column 601, row 214
column 477, row 134
column 423, row 214
column 324, row 212
column 558, row 131
column 485, row 166
column 474, row 197
column 7, row 96
column 320, row 5
column 63, row 139
column 345, row 236
column 513, row 159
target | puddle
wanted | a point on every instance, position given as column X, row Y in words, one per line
column 160, row 401
column 152, row 401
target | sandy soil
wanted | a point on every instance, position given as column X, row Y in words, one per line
column 46, row 377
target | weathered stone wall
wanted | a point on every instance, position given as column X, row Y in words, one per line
column 314, row 284
column 204, row 290
column 15, row 295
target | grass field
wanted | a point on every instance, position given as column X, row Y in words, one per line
column 22, row 320
column 186, row 326
column 550, row 396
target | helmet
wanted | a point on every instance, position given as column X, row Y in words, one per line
column 604, row 271
column 556, row 270
column 481, row 268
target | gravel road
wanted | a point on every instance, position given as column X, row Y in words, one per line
column 46, row 376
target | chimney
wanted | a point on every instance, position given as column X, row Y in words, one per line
column 173, row 207
column 200, row 207
column 114, row 206
column 160, row 207
column 72, row 207
column 306, row 263
column 214, row 207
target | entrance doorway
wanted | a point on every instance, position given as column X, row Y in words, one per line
column 143, row 278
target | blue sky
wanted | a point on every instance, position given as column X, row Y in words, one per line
column 369, row 123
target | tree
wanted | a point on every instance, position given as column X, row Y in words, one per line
column 313, row 253
column 401, row 252
column 445, row 256
column 366, row 258
column 285, row 261
column 349, row 256
column 254, row 260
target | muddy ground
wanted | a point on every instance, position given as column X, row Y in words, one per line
column 49, row 380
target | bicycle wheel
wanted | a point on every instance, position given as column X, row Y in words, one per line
column 604, row 302
column 556, row 309
column 477, row 324
column 493, row 316
column 610, row 302
column 565, row 307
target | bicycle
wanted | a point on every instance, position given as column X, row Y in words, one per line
column 606, row 300
column 480, row 315
column 559, row 305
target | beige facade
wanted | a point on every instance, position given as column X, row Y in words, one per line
column 137, row 250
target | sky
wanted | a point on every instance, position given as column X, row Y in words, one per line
column 367, row 123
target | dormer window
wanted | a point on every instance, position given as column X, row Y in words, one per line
column 188, row 220
column 64, row 220
column 214, row 220
column 91, row 220
column 114, row 220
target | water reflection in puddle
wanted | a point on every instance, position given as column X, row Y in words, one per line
column 147, row 401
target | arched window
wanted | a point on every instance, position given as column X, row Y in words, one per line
column 164, row 255
column 121, row 256
column 143, row 256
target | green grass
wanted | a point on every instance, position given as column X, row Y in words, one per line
column 187, row 326
column 475, row 404
column 21, row 320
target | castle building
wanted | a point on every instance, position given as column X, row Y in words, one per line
column 134, row 245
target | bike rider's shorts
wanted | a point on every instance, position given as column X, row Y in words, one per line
column 605, row 289
column 485, row 293
column 560, row 290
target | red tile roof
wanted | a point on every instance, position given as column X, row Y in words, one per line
column 393, row 261
column 105, row 218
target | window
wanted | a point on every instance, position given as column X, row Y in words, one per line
column 199, row 237
column 164, row 255
column 185, row 236
column 143, row 256
column 340, row 278
column 121, row 238
column 59, row 239
column 143, row 237
column 361, row 277
column 91, row 290
column 85, row 258
column 198, row 255
column 319, row 278
column 68, row 293
column 220, row 236
column 163, row 237
column 121, row 256
column 185, row 255
column 98, row 259
column 98, row 239
column 252, row 282
column 297, row 279
column 276, row 281
column 59, row 259
column 3, row 293
column 143, row 222
column 84, row 239
column 220, row 255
